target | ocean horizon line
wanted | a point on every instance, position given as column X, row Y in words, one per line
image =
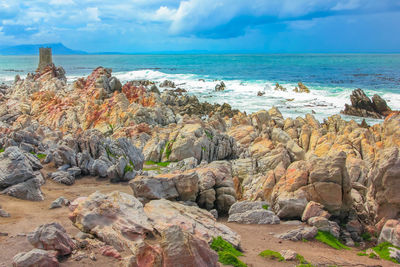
column 207, row 53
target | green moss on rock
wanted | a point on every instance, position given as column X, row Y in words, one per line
column 270, row 254
column 227, row 254
column 383, row 251
column 330, row 240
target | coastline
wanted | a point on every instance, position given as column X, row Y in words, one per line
column 213, row 154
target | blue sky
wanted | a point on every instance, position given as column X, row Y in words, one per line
column 276, row 26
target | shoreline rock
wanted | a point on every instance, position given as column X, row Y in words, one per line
column 362, row 106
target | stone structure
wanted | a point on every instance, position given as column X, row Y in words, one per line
column 45, row 58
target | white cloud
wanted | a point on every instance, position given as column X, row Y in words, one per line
column 164, row 14
column 62, row 2
column 93, row 13
column 347, row 5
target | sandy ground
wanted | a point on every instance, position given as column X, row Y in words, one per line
column 27, row 215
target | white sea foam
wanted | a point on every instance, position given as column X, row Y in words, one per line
column 6, row 78
column 242, row 95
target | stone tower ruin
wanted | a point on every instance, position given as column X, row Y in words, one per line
column 45, row 58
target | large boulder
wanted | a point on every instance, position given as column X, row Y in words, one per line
column 322, row 180
column 178, row 186
column 362, row 106
column 248, row 212
column 52, row 237
column 383, row 194
column 314, row 209
column 36, row 257
column 210, row 185
column 28, row 190
column 183, row 249
column 199, row 222
column 161, row 232
column 390, row 233
column 300, row 233
column 111, row 217
column 15, row 167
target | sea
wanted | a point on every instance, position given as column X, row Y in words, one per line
column 330, row 77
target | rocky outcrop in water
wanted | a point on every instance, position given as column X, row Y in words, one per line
column 301, row 88
column 279, row 87
column 220, row 87
column 362, row 106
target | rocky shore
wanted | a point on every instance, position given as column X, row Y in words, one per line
column 187, row 163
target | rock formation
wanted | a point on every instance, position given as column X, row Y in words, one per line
column 161, row 231
column 334, row 175
column 362, row 106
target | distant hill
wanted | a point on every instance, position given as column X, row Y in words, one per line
column 33, row 49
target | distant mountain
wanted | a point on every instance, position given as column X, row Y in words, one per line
column 33, row 49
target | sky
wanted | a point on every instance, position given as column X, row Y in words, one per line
column 254, row 26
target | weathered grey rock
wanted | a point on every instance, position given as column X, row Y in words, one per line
column 28, row 190
column 346, row 237
column 183, row 165
column 183, row 249
column 324, row 224
column 394, row 253
column 214, row 213
column 59, row 202
column 64, row 155
column 15, row 167
column 113, row 218
column 296, row 152
column 164, row 213
column 385, row 184
column 183, row 186
column 52, row 237
column 289, row 255
column 314, row 209
column 243, row 206
column 62, row 177
column 130, row 175
column 207, row 199
column 100, row 167
column 390, row 232
column 290, row 206
column 75, row 171
column 299, row 234
column 36, row 258
column 119, row 220
column 226, row 196
column 167, row 83
column 34, row 161
column 115, row 84
column 133, row 154
column 148, row 188
column 259, row 216
column 4, row 213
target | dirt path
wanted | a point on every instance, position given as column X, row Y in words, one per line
column 27, row 215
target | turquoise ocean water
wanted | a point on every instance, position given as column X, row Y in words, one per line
column 331, row 78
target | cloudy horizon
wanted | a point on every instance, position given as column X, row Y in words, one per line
column 140, row 26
